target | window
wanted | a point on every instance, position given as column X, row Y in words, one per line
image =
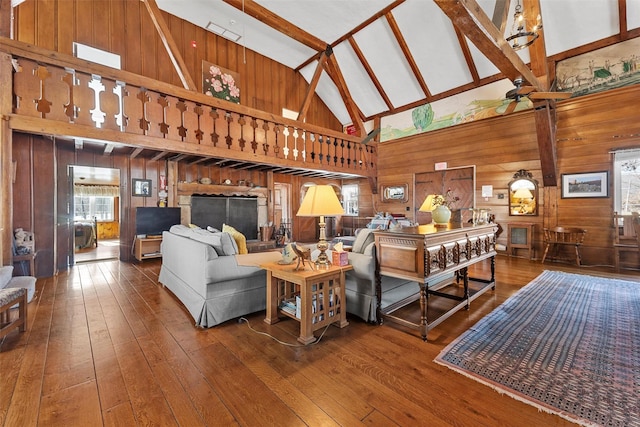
column 88, row 207
column 626, row 177
column 350, row 194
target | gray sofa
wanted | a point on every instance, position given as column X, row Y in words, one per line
column 360, row 286
column 203, row 272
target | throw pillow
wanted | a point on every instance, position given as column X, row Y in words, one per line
column 5, row 275
column 213, row 229
column 240, row 239
column 363, row 239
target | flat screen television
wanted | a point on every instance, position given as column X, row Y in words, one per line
column 153, row 221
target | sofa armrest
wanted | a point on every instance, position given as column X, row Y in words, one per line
column 363, row 265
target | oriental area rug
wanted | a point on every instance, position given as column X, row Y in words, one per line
column 568, row 344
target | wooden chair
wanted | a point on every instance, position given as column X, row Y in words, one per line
column 558, row 237
column 625, row 235
column 8, row 298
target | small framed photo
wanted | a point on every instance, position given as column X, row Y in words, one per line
column 582, row 185
column 395, row 193
column 141, row 187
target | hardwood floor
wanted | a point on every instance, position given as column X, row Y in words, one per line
column 107, row 345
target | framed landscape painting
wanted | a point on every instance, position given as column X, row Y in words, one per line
column 581, row 185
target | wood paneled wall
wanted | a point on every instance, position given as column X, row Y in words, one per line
column 588, row 128
column 124, row 27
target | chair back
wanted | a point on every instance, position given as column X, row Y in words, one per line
column 569, row 235
column 635, row 222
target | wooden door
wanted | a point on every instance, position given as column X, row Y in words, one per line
column 461, row 182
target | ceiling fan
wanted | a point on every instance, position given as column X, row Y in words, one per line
column 530, row 92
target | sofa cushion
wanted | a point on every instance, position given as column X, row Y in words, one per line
column 363, row 239
column 6, row 272
column 240, row 239
column 181, row 230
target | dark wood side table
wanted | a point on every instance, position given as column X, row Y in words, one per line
column 315, row 298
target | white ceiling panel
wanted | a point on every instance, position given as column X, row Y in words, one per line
column 328, row 20
column 362, row 89
column 633, row 14
column 442, row 64
column 328, row 93
column 388, row 62
column 571, row 23
column 254, row 34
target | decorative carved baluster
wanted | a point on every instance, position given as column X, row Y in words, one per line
column 97, row 115
column 276, row 129
column 199, row 111
column 164, row 126
column 265, row 144
column 285, row 150
column 254, row 143
column 228, row 138
column 43, row 105
column 313, row 147
column 26, row 87
column 348, row 154
column 70, row 109
column 121, row 119
column 190, row 122
column 215, row 116
column 335, row 151
column 342, row 151
column 295, row 144
column 320, row 141
column 328, row 142
column 182, row 130
column 143, row 122
column 241, row 141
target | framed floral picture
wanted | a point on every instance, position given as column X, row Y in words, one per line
column 220, row 82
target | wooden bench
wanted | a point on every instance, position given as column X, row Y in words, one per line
column 558, row 237
column 8, row 298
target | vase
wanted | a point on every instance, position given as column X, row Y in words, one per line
column 441, row 215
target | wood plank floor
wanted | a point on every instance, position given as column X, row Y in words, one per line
column 107, row 345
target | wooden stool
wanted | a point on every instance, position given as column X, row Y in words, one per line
column 8, row 298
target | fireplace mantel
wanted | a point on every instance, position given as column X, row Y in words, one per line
column 191, row 188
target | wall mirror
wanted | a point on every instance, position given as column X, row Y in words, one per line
column 523, row 194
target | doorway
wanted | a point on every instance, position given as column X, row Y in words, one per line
column 95, row 193
column 282, row 212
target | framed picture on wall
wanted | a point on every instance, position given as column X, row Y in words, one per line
column 581, row 185
column 395, row 193
column 141, row 187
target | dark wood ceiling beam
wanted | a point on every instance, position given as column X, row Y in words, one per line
column 6, row 13
column 537, row 51
column 370, row 73
column 500, row 14
column 395, row 29
column 170, row 45
column 108, row 149
column 469, row 17
column 313, row 84
column 336, row 75
column 622, row 18
column 269, row 18
column 135, row 152
column 545, row 118
column 159, row 156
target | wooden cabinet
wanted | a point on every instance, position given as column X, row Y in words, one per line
column 520, row 236
column 146, row 248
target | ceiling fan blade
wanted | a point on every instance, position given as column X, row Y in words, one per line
column 511, row 107
column 525, row 90
column 550, row 95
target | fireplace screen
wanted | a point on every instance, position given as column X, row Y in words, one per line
column 239, row 212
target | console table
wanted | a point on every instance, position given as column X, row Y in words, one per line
column 315, row 298
column 434, row 258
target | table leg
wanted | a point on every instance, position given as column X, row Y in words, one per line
column 272, row 299
column 424, row 307
column 343, row 301
column 306, row 311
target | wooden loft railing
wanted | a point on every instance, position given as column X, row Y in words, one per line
column 61, row 95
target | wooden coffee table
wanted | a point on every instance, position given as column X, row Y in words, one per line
column 315, row 298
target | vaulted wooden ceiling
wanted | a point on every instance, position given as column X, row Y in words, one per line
column 371, row 58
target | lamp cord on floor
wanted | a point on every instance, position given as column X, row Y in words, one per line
column 243, row 319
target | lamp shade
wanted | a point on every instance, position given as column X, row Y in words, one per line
column 427, row 205
column 523, row 193
column 320, row 200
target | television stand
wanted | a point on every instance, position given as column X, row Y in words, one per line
column 147, row 248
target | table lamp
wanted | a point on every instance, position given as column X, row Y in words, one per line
column 427, row 205
column 521, row 194
column 321, row 200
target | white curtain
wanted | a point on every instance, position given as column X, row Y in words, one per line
column 96, row 190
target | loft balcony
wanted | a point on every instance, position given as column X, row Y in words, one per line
column 60, row 95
